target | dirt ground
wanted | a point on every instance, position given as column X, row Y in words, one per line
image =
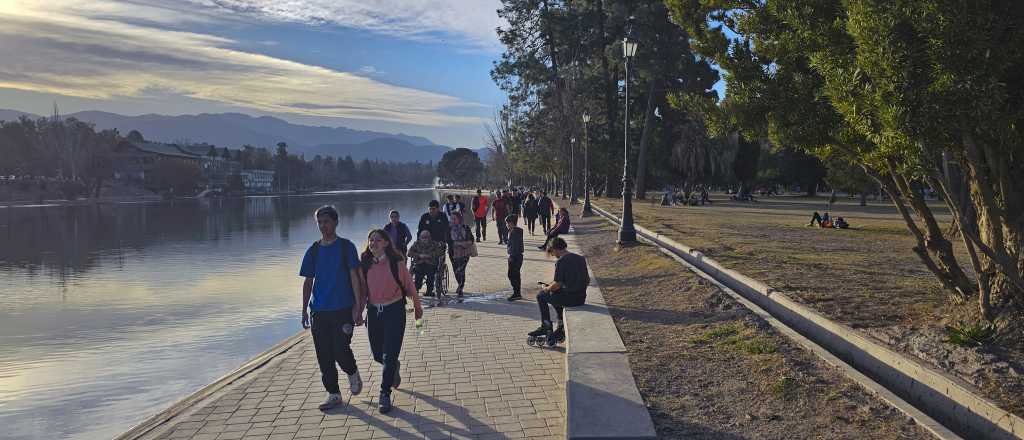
column 867, row 276
column 710, row 369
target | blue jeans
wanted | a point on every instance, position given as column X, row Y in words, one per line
column 385, row 327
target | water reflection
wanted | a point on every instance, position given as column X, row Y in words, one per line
column 109, row 313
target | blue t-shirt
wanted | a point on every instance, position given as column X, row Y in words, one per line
column 332, row 287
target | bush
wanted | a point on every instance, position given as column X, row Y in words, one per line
column 974, row 334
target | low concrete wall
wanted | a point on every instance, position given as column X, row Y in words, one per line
column 948, row 399
column 602, row 400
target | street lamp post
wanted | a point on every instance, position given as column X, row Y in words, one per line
column 572, row 171
column 627, row 234
column 587, row 210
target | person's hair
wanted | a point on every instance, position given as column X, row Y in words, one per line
column 395, row 212
column 366, row 259
column 458, row 197
column 457, row 215
column 529, row 196
column 556, row 243
column 449, row 197
column 478, row 191
column 566, row 211
column 328, row 210
column 511, row 218
column 434, row 204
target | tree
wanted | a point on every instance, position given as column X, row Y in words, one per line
column 179, row 177
column 901, row 89
column 744, row 166
column 460, row 166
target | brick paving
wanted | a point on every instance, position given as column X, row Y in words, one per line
column 469, row 375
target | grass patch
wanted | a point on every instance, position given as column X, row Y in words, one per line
column 738, row 337
column 784, row 388
column 974, row 334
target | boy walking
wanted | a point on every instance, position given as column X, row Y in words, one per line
column 333, row 283
column 515, row 256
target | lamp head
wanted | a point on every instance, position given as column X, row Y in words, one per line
column 629, row 42
column 586, row 118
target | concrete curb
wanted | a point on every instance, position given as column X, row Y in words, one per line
column 601, row 396
column 946, row 398
column 151, row 427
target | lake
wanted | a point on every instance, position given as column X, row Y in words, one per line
column 110, row 313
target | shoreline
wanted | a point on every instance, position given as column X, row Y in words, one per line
column 155, row 199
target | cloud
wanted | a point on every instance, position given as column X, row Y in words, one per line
column 470, row 22
column 45, row 49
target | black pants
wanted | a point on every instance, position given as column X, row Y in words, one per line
column 481, row 228
column 421, row 271
column 547, row 241
column 459, row 268
column 333, row 345
column 385, row 327
column 546, row 221
column 559, row 300
column 515, row 265
column 816, row 218
column 531, row 224
column 502, row 231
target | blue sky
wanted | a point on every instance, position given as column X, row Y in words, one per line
column 413, row 66
column 418, row 67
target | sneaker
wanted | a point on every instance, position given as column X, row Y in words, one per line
column 398, row 375
column 332, row 401
column 385, row 402
column 355, row 383
column 515, row 296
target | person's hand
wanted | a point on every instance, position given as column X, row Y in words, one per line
column 357, row 317
column 305, row 320
column 418, row 311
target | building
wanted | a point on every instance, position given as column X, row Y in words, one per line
column 133, row 159
column 257, row 180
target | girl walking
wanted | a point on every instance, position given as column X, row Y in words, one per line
column 388, row 284
column 531, row 209
column 462, row 246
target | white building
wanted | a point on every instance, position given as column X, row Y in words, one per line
column 257, row 180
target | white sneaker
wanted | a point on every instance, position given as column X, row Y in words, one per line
column 355, row 383
column 332, row 401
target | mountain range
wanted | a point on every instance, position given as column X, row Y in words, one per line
column 235, row 129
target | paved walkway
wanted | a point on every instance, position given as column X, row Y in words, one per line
column 470, row 375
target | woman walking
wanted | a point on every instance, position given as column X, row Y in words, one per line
column 388, row 284
column 531, row 209
column 462, row 246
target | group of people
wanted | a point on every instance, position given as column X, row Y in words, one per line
column 824, row 221
column 340, row 284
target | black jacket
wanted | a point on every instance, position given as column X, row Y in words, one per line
column 531, row 208
column 438, row 226
column 404, row 236
column 515, row 241
column 546, row 206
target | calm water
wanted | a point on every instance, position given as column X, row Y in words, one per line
column 110, row 313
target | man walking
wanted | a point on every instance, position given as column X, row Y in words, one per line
column 547, row 207
column 333, row 283
column 481, row 206
column 434, row 222
column 499, row 213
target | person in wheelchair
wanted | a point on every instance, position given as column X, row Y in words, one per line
column 426, row 255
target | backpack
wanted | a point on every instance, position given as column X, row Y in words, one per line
column 315, row 249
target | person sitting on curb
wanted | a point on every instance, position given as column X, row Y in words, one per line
column 561, row 227
column 569, row 289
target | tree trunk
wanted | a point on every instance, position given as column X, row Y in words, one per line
column 863, row 199
column 641, row 163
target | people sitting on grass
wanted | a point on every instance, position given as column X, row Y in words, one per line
column 561, row 227
column 569, row 289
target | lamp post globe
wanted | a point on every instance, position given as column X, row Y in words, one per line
column 627, row 233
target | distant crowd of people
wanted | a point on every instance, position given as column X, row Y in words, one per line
column 340, row 284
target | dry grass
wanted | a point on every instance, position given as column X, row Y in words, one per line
column 708, row 368
column 867, row 277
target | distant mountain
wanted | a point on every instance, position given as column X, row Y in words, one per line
column 227, row 129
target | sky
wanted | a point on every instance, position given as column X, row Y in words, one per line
column 419, row 67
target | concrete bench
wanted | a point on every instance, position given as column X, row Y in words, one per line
column 602, row 400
